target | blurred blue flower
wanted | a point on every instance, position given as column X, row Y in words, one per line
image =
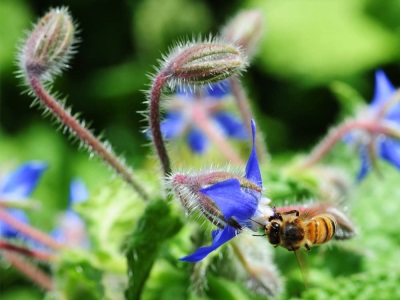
column 235, row 202
column 186, row 109
column 385, row 147
column 17, row 186
column 72, row 229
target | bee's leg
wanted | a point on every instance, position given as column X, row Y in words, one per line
column 290, row 212
column 307, row 247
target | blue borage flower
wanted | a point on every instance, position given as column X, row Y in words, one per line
column 17, row 186
column 236, row 203
column 385, row 147
column 72, row 229
column 183, row 109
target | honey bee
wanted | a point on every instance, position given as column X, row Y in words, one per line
column 292, row 231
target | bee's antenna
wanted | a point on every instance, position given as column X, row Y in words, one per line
column 257, row 222
column 262, row 225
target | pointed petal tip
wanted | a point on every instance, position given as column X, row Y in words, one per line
column 22, row 181
column 383, row 88
column 253, row 172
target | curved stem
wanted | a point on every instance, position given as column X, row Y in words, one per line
column 104, row 151
column 29, row 231
column 35, row 254
column 336, row 135
column 202, row 121
column 155, row 95
column 29, row 270
column 247, row 115
column 393, row 100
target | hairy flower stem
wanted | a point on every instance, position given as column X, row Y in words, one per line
column 28, row 269
column 247, row 115
column 155, row 95
column 254, row 272
column 202, row 121
column 35, row 254
column 29, row 231
column 85, row 135
column 389, row 104
column 371, row 126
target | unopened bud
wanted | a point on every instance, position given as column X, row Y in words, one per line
column 49, row 45
column 245, row 30
column 203, row 63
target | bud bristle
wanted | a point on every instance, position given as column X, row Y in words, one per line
column 200, row 63
column 49, row 45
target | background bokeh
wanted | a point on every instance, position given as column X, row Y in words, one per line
column 307, row 48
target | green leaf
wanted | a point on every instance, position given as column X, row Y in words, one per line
column 157, row 225
column 76, row 278
column 110, row 214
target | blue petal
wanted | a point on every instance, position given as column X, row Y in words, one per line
column 21, row 183
column 383, row 89
column 390, row 151
column 231, row 125
column 218, row 90
column 365, row 164
column 220, row 237
column 8, row 231
column 252, row 168
column 172, row 125
column 77, row 191
column 232, row 200
column 197, row 141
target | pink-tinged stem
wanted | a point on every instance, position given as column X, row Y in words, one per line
column 371, row 126
column 29, row 270
column 36, row 254
column 85, row 135
column 245, row 109
column 202, row 121
column 155, row 125
column 392, row 101
column 29, row 231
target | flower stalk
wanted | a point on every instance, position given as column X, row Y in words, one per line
column 192, row 65
column 29, row 231
column 46, row 53
column 35, row 254
column 244, row 106
column 371, row 126
column 29, row 270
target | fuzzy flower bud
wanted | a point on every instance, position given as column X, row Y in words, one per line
column 245, row 30
column 49, row 45
column 203, row 63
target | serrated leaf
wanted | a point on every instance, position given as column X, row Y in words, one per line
column 110, row 215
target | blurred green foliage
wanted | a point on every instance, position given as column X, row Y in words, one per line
column 315, row 65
